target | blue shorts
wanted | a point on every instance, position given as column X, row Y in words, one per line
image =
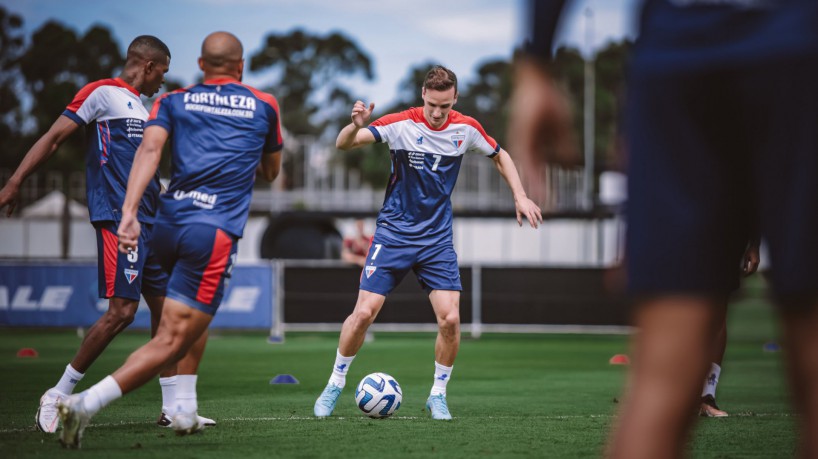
column 714, row 157
column 388, row 262
column 126, row 276
column 199, row 259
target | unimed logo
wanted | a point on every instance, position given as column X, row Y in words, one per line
column 53, row 298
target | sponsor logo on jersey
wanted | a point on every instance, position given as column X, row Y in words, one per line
column 131, row 274
column 200, row 199
column 457, row 140
column 369, row 270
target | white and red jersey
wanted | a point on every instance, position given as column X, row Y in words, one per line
column 425, row 164
column 115, row 118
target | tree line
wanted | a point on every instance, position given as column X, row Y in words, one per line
column 41, row 74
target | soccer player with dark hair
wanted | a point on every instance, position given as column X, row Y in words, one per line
column 414, row 227
column 114, row 118
column 721, row 123
column 223, row 133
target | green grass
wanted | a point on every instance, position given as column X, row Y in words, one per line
column 511, row 396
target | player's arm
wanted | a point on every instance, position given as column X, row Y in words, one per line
column 355, row 134
column 270, row 165
column 525, row 207
column 36, row 155
column 145, row 163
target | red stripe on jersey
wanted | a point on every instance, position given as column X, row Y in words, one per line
column 270, row 100
column 90, row 87
column 212, row 276
column 109, row 256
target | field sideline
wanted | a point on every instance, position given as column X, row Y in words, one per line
column 510, row 395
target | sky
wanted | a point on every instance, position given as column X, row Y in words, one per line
column 397, row 34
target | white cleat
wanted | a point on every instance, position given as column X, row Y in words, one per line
column 327, row 400
column 47, row 418
column 74, row 420
column 166, row 420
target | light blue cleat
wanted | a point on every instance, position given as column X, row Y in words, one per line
column 326, row 402
column 437, row 405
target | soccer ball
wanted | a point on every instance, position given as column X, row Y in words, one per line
column 378, row 395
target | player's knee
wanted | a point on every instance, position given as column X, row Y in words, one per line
column 120, row 317
column 450, row 321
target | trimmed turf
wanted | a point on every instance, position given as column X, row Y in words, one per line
column 511, row 396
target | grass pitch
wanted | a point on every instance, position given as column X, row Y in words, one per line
column 510, row 395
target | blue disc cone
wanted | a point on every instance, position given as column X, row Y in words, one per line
column 284, row 379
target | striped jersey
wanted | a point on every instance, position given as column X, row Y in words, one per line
column 219, row 129
column 114, row 118
column 417, row 207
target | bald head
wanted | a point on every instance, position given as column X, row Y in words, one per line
column 222, row 51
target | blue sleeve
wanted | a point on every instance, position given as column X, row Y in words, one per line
column 160, row 114
column 273, row 142
column 543, row 17
column 375, row 132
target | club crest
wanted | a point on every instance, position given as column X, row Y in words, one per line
column 131, row 274
column 369, row 270
column 458, row 139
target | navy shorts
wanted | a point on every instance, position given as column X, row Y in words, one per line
column 715, row 156
column 199, row 259
column 127, row 275
column 389, row 260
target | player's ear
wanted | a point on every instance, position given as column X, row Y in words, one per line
column 149, row 66
column 423, row 93
column 455, row 98
column 241, row 69
column 201, row 64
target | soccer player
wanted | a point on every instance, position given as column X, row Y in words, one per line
column 414, row 227
column 115, row 117
column 721, row 132
column 223, row 133
column 708, row 407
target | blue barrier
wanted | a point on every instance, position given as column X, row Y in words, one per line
column 65, row 295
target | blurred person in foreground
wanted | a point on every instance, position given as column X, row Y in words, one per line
column 114, row 118
column 222, row 134
column 414, row 227
column 721, row 131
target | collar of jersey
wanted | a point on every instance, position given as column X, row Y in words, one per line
column 127, row 86
column 222, row 80
column 428, row 125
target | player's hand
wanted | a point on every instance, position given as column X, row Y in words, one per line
column 531, row 211
column 128, row 233
column 540, row 129
column 8, row 197
column 361, row 114
column 751, row 259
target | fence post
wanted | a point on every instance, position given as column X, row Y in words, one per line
column 277, row 329
column 476, row 301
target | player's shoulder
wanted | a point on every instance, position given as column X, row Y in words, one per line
column 263, row 96
column 414, row 115
column 459, row 119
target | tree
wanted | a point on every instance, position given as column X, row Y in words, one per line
column 308, row 70
column 11, row 46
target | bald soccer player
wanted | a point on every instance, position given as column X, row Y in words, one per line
column 223, row 134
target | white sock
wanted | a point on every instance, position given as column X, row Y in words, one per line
column 168, row 386
column 185, row 394
column 712, row 381
column 442, row 376
column 69, row 380
column 101, row 395
column 339, row 369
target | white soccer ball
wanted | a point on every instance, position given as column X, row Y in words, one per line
column 378, row 395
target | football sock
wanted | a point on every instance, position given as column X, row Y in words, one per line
column 186, row 394
column 101, row 395
column 168, row 386
column 340, row 368
column 712, row 380
column 442, row 376
column 69, row 380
